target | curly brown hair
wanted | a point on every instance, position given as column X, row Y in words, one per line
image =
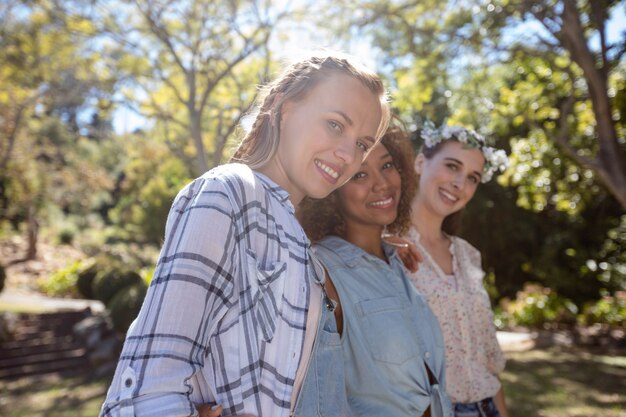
column 321, row 217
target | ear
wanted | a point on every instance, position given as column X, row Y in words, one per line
column 419, row 163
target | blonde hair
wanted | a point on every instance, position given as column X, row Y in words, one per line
column 260, row 144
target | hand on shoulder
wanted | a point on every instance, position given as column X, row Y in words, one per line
column 407, row 251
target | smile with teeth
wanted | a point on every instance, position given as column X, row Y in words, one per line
column 382, row 203
column 334, row 174
column 449, row 196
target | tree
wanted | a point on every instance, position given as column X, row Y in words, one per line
column 570, row 31
column 178, row 55
column 487, row 66
column 47, row 80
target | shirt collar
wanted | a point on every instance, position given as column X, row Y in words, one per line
column 275, row 190
column 350, row 253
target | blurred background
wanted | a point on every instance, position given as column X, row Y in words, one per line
column 108, row 108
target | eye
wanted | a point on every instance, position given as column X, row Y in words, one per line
column 474, row 179
column 359, row 175
column 362, row 145
column 334, row 125
column 452, row 167
column 388, row 165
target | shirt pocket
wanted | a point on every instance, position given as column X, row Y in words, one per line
column 266, row 289
column 386, row 325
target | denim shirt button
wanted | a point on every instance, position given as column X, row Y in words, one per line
column 427, row 355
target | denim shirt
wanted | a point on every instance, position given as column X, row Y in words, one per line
column 323, row 392
column 389, row 337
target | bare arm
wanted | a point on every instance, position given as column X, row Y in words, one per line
column 501, row 403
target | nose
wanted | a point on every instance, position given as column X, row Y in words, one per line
column 458, row 182
column 346, row 151
column 379, row 182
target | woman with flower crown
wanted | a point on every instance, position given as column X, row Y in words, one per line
column 451, row 164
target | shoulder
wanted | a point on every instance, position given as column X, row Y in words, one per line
column 235, row 182
column 333, row 251
column 465, row 249
column 236, row 177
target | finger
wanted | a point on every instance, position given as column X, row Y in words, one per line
column 206, row 410
column 415, row 252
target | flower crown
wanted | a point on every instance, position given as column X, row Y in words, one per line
column 495, row 159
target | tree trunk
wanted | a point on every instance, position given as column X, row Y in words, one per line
column 32, row 233
column 195, row 121
column 611, row 157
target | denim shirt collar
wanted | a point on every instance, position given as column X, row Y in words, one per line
column 351, row 254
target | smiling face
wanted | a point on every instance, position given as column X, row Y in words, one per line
column 324, row 137
column 448, row 180
column 371, row 197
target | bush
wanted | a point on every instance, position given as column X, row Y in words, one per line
column 610, row 310
column 125, row 306
column 109, row 282
column 86, row 277
column 63, row 282
column 66, row 236
column 3, row 277
column 537, row 306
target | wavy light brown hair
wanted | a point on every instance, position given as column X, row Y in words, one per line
column 260, row 144
column 320, row 218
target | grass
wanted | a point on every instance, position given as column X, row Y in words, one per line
column 558, row 383
column 53, row 396
column 538, row 383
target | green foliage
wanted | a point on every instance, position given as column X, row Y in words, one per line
column 125, row 305
column 63, row 282
column 87, row 275
column 150, row 185
column 536, row 306
column 610, row 310
column 66, row 236
column 110, row 281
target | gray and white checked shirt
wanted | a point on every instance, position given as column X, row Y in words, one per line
column 224, row 318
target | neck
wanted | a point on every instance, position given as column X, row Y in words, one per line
column 367, row 238
column 276, row 174
column 427, row 223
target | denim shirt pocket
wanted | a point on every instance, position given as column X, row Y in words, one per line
column 266, row 292
column 388, row 330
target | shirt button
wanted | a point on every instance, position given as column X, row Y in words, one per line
column 128, row 382
column 427, row 355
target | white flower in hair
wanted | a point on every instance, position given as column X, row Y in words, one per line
column 495, row 159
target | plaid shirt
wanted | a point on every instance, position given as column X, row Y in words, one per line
column 224, row 318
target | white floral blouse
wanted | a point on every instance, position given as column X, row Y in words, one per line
column 460, row 302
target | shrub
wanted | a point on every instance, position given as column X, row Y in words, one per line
column 63, row 282
column 66, row 236
column 125, row 305
column 610, row 310
column 537, row 306
column 3, row 277
column 86, row 277
column 109, row 282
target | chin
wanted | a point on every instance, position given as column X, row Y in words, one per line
column 319, row 194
